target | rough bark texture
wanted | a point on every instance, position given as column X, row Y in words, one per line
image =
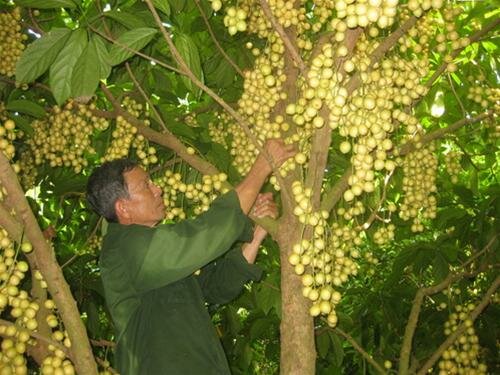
column 81, row 352
column 298, row 352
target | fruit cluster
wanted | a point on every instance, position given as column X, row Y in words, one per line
column 64, row 138
column 125, row 136
column 11, row 41
column 198, row 195
column 463, row 356
column 452, row 162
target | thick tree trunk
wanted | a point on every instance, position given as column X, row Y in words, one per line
column 298, row 352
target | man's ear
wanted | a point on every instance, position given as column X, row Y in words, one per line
column 121, row 210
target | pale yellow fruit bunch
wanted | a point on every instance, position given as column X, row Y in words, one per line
column 11, row 41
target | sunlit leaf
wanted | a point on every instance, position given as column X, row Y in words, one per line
column 40, row 54
column 133, row 40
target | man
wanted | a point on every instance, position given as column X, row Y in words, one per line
column 156, row 302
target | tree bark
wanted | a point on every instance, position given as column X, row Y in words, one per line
column 298, row 352
column 81, row 352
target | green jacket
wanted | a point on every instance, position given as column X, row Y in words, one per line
column 158, row 304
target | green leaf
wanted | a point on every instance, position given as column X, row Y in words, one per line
column 88, row 70
column 266, row 298
column 219, row 156
column 440, row 267
column 40, row 54
column 127, row 19
column 102, row 57
column 163, row 6
column 189, row 52
column 134, row 39
column 46, row 4
column 449, row 216
column 259, row 328
column 178, row 5
column 61, row 71
column 323, row 344
column 27, row 107
column 338, row 351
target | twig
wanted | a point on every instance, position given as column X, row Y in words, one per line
column 138, row 53
column 216, row 42
column 70, row 260
column 474, row 38
column 440, row 133
column 106, row 28
column 335, row 193
column 35, row 84
column 166, row 139
column 106, row 366
column 103, row 343
column 380, row 51
column 360, row 350
column 34, row 26
column 469, row 157
column 464, row 112
column 415, row 312
column 283, row 35
column 146, row 97
column 481, row 252
column 241, row 121
column 460, row 329
column 41, row 337
column 374, row 215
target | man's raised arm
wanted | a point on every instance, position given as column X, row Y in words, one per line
column 250, row 187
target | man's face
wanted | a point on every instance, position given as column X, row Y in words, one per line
column 145, row 203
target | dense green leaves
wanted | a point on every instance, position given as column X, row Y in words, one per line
column 189, row 53
column 90, row 68
column 129, row 42
column 162, row 5
column 40, row 54
column 127, row 19
column 46, row 4
column 61, row 71
column 26, row 107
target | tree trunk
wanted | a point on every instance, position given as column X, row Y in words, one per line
column 298, row 352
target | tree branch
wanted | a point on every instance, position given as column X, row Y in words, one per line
column 39, row 336
column 322, row 137
column 333, row 195
column 216, row 42
column 415, row 312
column 145, row 96
column 440, row 133
column 241, row 121
column 474, row 38
column 381, row 50
column 135, row 52
column 166, row 139
column 359, row 349
column 283, row 35
column 460, row 329
column 47, row 263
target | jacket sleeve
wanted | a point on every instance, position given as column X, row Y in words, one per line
column 173, row 252
column 223, row 280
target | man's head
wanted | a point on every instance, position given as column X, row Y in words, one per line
column 121, row 191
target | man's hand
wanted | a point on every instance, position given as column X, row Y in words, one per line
column 278, row 151
column 264, row 207
column 249, row 188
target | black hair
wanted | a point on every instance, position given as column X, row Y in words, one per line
column 106, row 185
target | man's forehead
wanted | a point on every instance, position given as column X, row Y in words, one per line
column 135, row 176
